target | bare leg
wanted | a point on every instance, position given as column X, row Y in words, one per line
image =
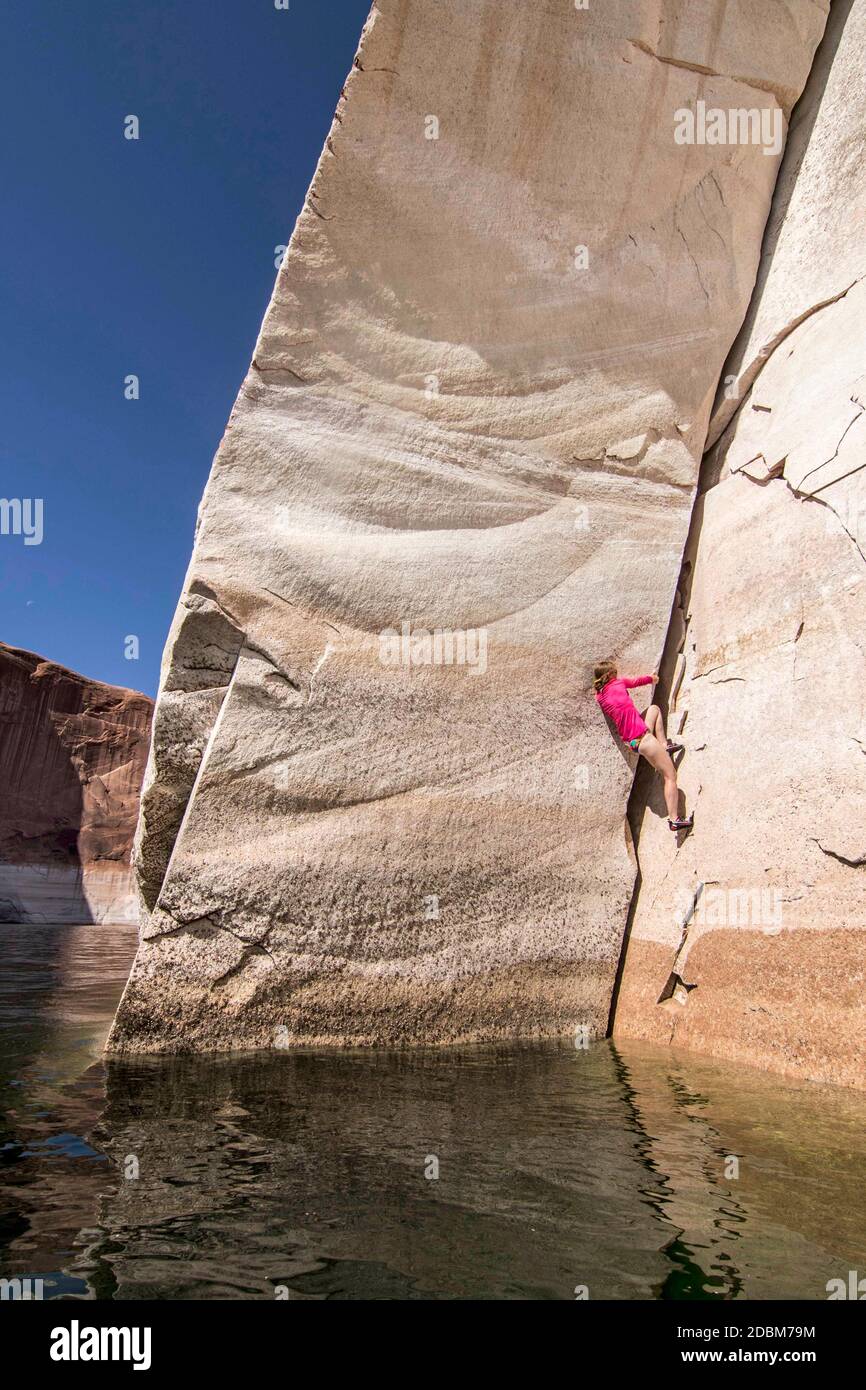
column 654, row 722
column 658, row 757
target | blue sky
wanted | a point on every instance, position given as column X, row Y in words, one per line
column 152, row 257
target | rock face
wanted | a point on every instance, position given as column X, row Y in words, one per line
column 752, row 945
column 72, row 758
column 381, row 805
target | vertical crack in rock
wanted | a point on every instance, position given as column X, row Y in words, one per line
column 435, row 840
column 204, row 646
column 201, row 770
column 773, row 619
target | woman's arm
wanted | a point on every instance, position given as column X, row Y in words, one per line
column 640, row 680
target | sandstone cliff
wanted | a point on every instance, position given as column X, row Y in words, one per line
column 379, row 806
column 751, row 944
column 72, row 757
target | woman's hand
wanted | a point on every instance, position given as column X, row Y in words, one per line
column 655, row 677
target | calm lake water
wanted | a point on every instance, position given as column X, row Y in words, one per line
column 312, row 1175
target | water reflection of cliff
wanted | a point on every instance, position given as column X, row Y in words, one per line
column 58, row 990
column 557, row 1168
column 308, row 1170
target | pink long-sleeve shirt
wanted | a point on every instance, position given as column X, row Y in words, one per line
column 617, row 705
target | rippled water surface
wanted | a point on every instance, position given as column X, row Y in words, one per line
column 314, row 1174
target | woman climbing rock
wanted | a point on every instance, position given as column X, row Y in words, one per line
column 643, row 733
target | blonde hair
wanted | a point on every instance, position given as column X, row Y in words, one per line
column 605, row 672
